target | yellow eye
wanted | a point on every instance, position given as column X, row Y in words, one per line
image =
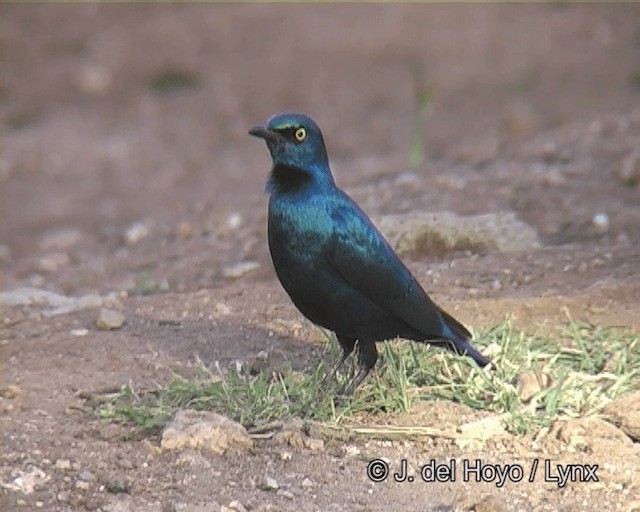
column 301, row 134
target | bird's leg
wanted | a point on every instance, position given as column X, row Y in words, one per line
column 329, row 375
column 368, row 355
column 347, row 345
column 355, row 382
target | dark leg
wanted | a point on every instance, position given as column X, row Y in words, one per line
column 368, row 355
column 347, row 345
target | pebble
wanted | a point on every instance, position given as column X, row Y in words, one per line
column 117, row 485
column 185, row 230
column 136, row 232
column 286, row 456
column 79, row 332
column 86, row 475
column 233, row 505
column 601, row 223
column 239, row 269
column 307, row 483
column 628, row 172
column 10, row 391
column 95, row 80
column 352, row 451
column 315, row 445
column 63, row 464
column 285, row 494
column 269, row 484
column 82, row 485
column 234, row 221
column 221, row 309
column 109, row 319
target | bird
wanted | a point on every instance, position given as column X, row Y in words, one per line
column 335, row 265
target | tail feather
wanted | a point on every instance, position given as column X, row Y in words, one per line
column 460, row 339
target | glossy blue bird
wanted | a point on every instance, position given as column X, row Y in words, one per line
column 338, row 269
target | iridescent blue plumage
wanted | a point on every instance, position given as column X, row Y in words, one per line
column 338, row 269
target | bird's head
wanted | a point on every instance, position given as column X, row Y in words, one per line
column 294, row 140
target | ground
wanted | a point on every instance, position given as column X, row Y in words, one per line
column 126, row 165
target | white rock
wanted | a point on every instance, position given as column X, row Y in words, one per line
column 109, row 319
column 58, row 304
column 437, row 234
column 239, row 269
column 136, row 232
column 204, row 430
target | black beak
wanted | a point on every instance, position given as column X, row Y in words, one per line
column 264, row 133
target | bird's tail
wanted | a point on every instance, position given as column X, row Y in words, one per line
column 460, row 338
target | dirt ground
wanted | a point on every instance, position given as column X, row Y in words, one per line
column 126, row 162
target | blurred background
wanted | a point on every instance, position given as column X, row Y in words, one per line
column 125, row 126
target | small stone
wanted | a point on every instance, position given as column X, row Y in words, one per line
column 27, row 481
column 222, row 309
column 10, row 391
column 315, row 445
column 117, row 485
column 307, row 483
column 600, row 223
column 286, row 456
column 293, row 438
column 109, row 319
column 136, row 232
column 185, row 230
column 79, row 332
column 63, row 464
column 234, row 221
column 93, row 503
column 95, row 80
column 268, row 484
column 239, row 269
column 265, row 507
column 628, row 172
column 82, row 485
column 285, row 494
column 86, row 476
column 237, row 506
column 352, row 451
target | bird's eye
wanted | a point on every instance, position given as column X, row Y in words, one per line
column 301, row 134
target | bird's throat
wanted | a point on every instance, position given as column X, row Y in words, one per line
column 288, row 179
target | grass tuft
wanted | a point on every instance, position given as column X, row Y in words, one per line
column 581, row 368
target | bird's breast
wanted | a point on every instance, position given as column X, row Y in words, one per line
column 297, row 229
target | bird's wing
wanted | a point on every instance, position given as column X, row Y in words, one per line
column 365, row 260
